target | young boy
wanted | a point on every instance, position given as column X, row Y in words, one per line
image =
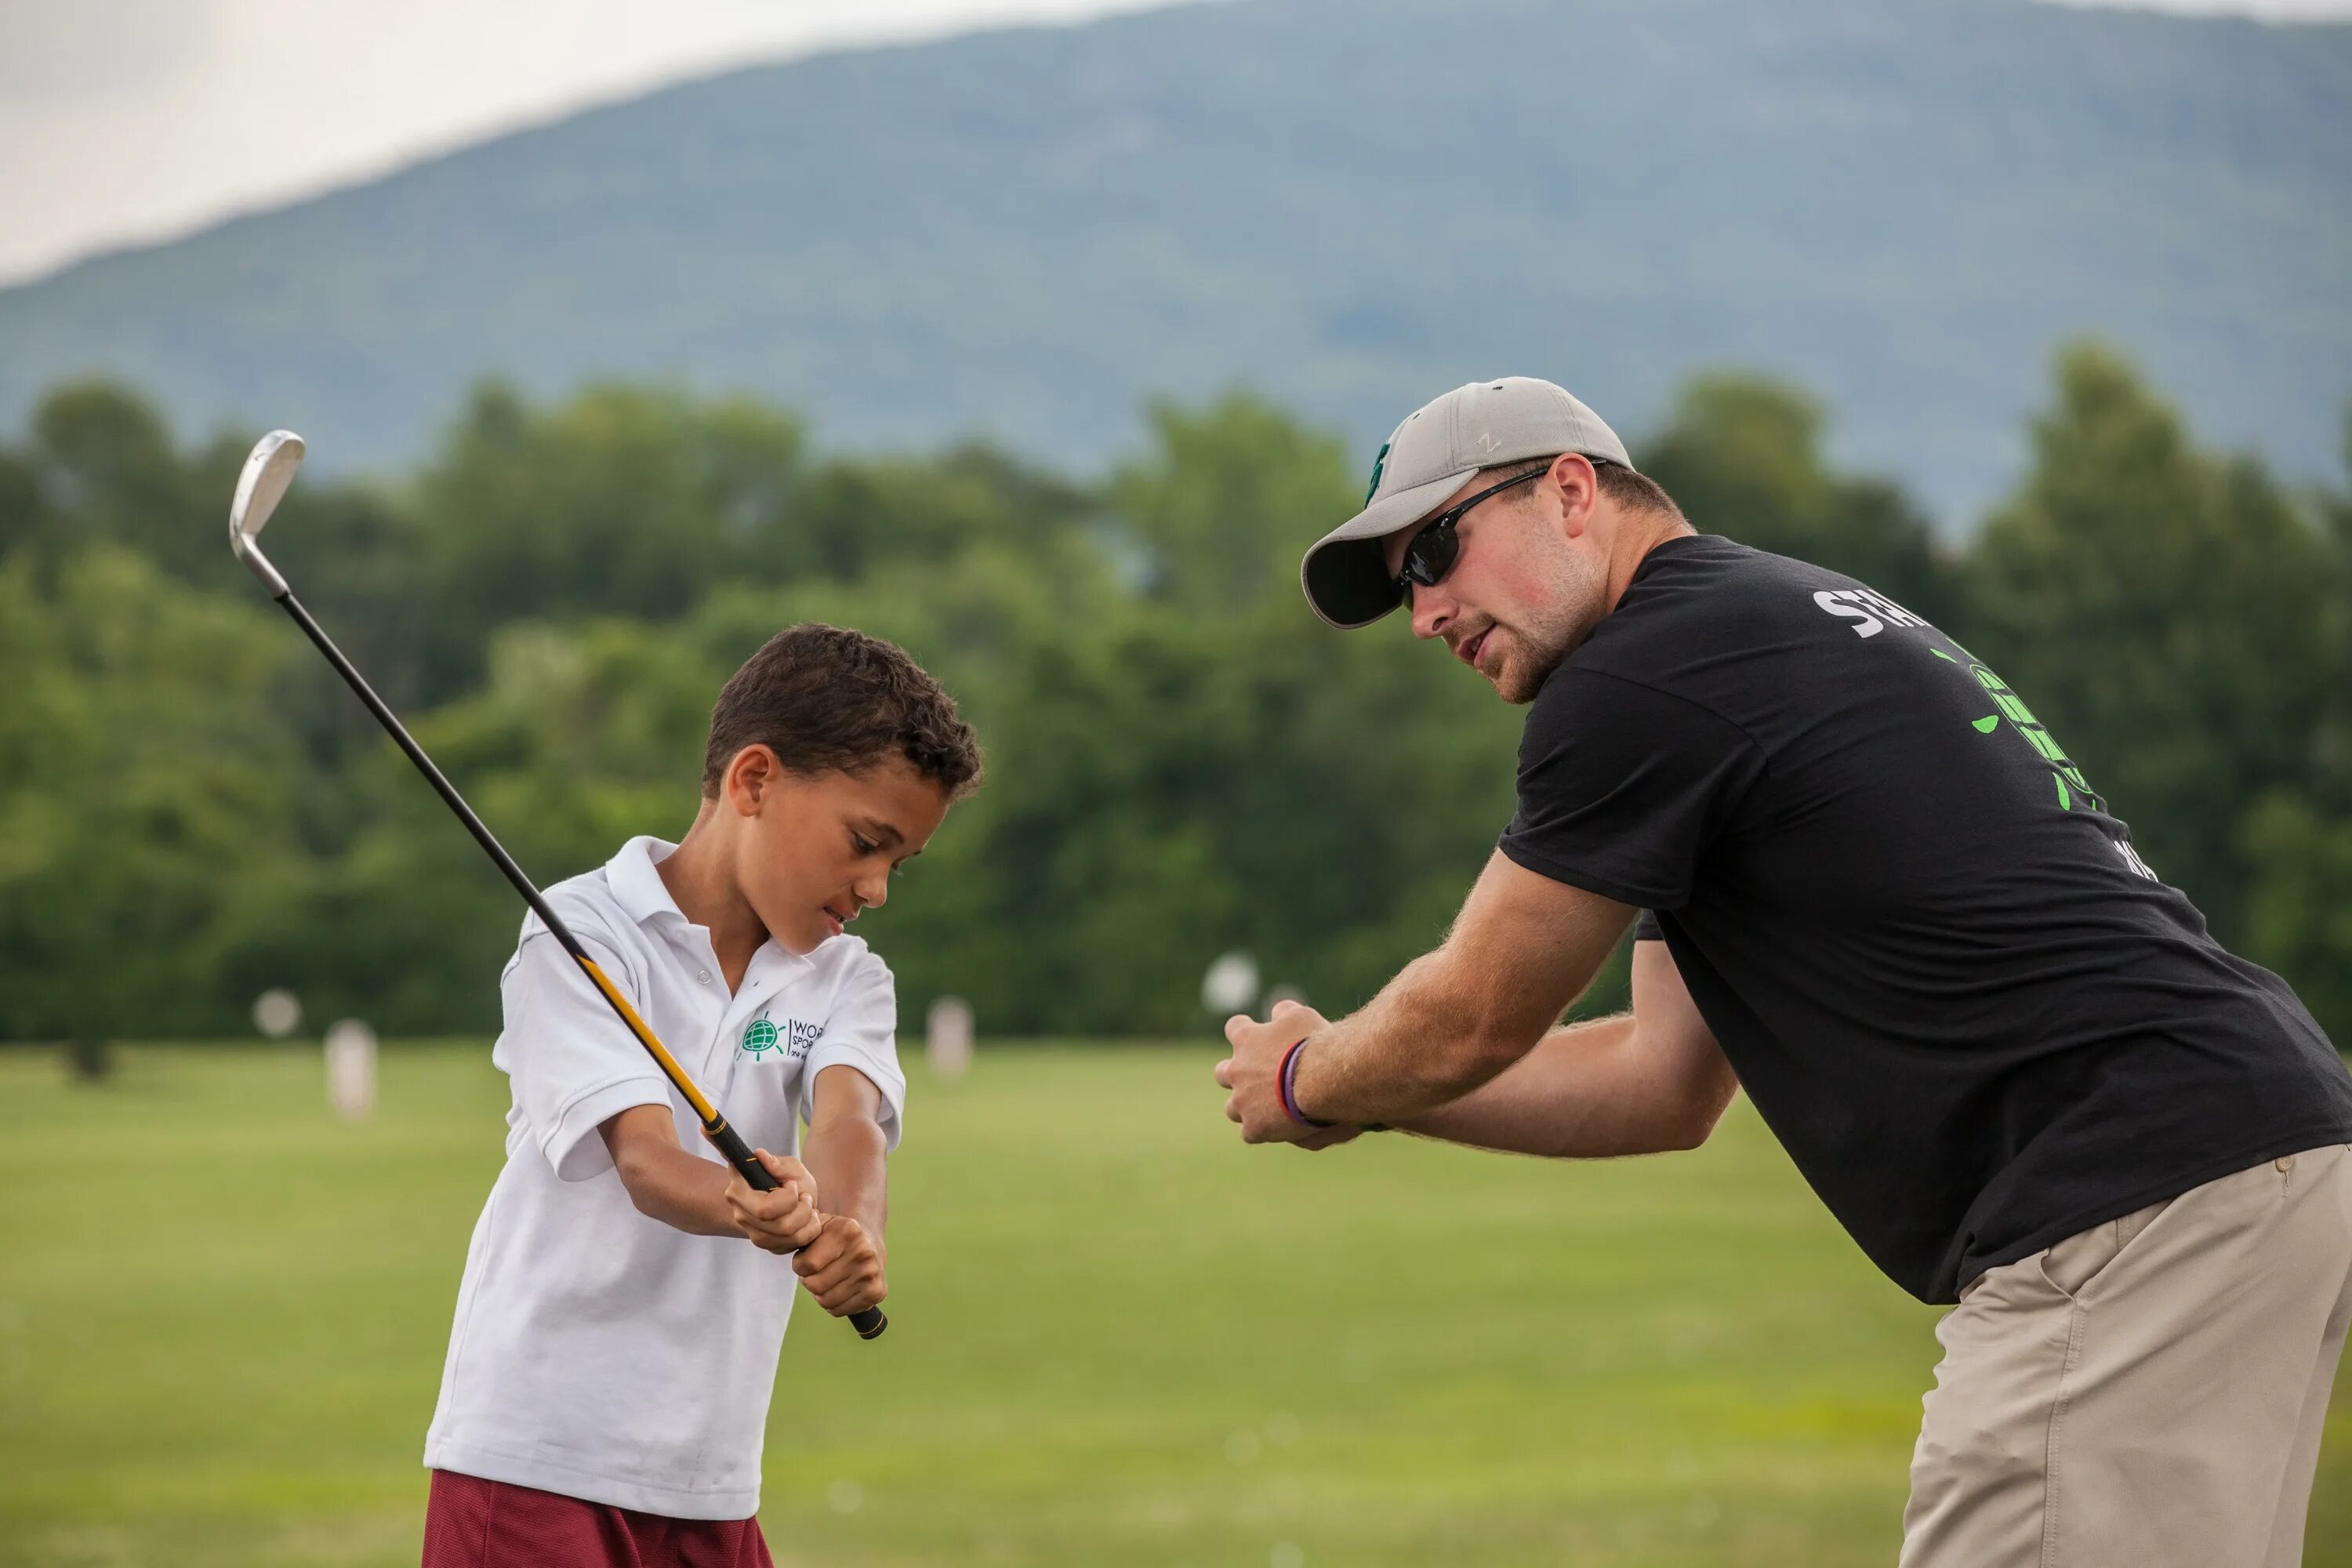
column 624, row 1300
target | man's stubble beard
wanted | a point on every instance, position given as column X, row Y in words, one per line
column 1551, row 632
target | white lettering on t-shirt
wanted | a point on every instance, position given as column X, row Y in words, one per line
column 1833, row 601
column 1874, row 610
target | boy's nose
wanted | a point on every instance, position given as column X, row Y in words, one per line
column 873, row 891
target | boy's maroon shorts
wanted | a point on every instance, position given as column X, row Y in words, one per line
column 473, row 1523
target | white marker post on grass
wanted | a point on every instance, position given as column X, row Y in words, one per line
column 1231, row 984
column 948, row 1038
column 351, row 1069
column 276, row 1013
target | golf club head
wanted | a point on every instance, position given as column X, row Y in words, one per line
column 268, row 469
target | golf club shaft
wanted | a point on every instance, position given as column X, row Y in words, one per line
column 724, row 1138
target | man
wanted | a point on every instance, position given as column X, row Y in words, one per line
column 1886, row 902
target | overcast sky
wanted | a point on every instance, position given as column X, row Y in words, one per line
column 131, row 121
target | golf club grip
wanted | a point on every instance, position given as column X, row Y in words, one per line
column 738, row 1153
column 731, row 1148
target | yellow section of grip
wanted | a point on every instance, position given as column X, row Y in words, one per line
column 647, row 1038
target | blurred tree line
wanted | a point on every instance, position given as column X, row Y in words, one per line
column 1180, row 759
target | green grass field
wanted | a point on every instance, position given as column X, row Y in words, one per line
column 1119, row 1337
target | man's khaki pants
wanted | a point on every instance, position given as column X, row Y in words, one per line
column 2149, row 1393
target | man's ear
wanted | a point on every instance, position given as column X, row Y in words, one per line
column 749, row 777
column 1579, row 489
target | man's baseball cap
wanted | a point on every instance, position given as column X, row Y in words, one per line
column 1440, row 443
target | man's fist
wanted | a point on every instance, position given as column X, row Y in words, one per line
column 843, row 1267
column 1250, row 1075
column 784, row 1220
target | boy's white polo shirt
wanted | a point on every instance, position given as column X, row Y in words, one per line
column 598, row 1352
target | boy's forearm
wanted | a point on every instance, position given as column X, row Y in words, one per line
column 847, row 1154
column 667, row 1183
column 677, row 1189
column 845, row 1159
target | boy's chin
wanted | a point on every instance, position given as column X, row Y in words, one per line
column 803, row 942
column 812, row 933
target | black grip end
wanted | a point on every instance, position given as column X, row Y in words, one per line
column 869, row 1323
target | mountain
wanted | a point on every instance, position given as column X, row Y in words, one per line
column 1350, row 205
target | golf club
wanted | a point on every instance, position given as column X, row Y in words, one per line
column 268, row 470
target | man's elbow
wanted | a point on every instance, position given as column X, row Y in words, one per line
column 1697, row 1116
column 1689, row 1131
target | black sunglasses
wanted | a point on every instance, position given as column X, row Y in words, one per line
column 1429, row 555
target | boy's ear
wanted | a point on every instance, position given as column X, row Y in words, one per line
column 752, row 773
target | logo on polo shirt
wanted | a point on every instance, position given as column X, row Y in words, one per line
column 761, row 1036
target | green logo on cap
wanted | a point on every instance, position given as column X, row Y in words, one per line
column 758, row 1036
column 1378, row 463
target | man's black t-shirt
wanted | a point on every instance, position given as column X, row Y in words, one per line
column 1978, row 1022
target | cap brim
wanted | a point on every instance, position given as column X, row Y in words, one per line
column 1345, row 572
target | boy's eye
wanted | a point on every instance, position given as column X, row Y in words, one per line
column 861, row 845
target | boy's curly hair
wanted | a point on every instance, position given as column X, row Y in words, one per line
column 827, row 700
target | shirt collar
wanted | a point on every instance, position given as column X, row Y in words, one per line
column 636, row 885
column 643, row 897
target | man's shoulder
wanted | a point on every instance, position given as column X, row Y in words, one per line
column 1700, row 601
column 1705, row 577
column 1710, row 624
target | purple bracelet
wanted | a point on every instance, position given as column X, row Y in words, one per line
column 1288, row 1095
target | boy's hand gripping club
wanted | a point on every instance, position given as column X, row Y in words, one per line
column 259, row 488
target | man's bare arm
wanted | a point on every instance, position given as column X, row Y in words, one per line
column 1522, row 950
column 1642, row 1082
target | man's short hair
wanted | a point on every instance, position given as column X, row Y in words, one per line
column 1626, row 487
column 827, row 700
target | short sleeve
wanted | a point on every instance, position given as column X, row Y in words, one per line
column 1622, row 787
column 574, row 1065
column 862, row 1032
column 1647, row 928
